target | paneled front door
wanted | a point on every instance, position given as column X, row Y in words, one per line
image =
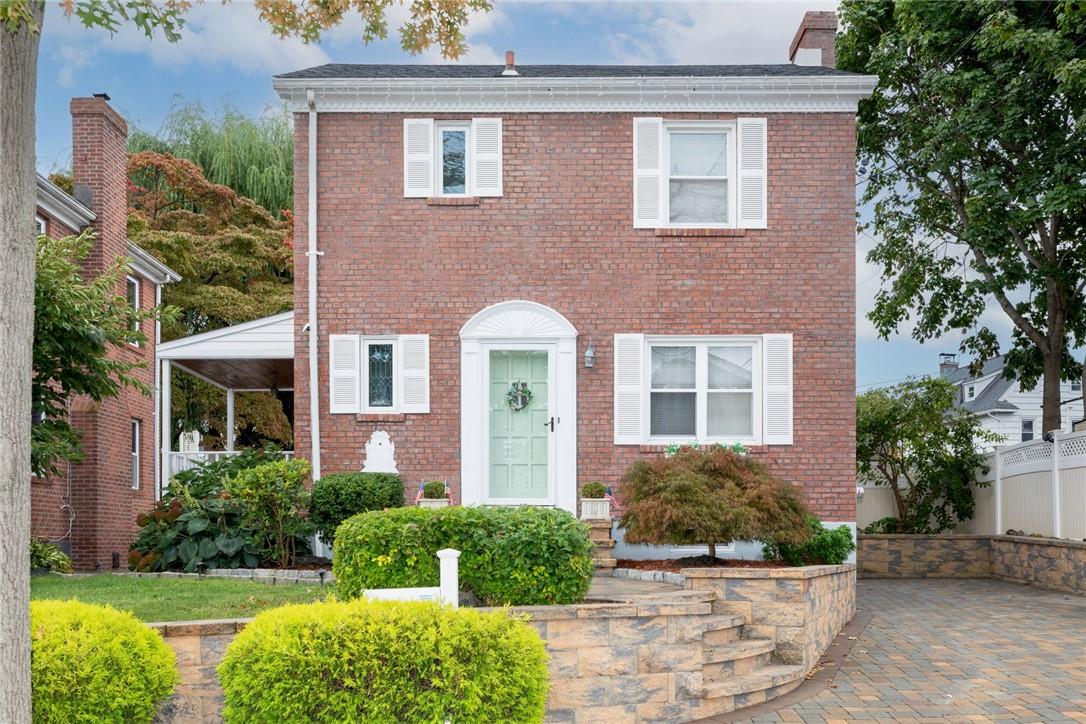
column 519, row 422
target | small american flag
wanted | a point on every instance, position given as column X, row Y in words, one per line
column 610, row 497
column 422, row 484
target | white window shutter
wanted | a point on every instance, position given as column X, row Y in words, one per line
column 648, row 148
column 418, row 157
column 486, row 156
column 414, row 392
column 777, row 381
column 343, row 373
column 751, row 196
column 629, row 389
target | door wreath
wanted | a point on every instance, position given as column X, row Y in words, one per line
column 519, row 396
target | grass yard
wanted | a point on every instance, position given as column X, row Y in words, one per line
column 175, row 599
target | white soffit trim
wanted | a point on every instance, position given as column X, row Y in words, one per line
column 149, row 267
column 764, row 94
column 56, row 202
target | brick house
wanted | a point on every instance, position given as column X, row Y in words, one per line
column 91, row 509
column 531, row 276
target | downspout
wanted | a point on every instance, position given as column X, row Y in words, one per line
column 158, row 398
column 312, row 254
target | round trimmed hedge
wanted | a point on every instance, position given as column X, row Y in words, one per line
column 93, row 663
column 509, row 556
column 384, row 661
column 338, row 496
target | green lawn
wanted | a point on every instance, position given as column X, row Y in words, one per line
column 176, row 599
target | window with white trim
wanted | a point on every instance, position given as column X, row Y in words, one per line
column 699, row 186
column 39, row 222
column 132, row 294
column 135, row 474
column 1076, row 386
column 452, row 158
column 381, row 374
column 704, row 390
column 1027, row 430
column 970, row 392
column 700, row 174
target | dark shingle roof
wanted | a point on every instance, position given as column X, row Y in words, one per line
column 455, row 71
column 990, row 367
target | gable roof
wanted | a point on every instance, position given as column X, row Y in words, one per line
column 989, row 367
column 456, row 71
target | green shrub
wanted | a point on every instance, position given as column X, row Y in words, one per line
column 273, row 497
column 196, row 524
column 891, row 524
column 434, row 490
column 827, row 546
column 96, row 664
column 514, row 556
column 384, row 662
column 44, row 554
column 338, row 496
column 708, row 496
column 593, row 490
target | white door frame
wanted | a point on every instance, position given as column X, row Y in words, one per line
column 503, row 326
column 486, row 347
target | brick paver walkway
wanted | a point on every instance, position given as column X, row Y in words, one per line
column 957, row 650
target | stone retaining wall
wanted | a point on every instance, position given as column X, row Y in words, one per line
column 655, row 657
column 802, row 609
column 1052, row 563
column 271, row 576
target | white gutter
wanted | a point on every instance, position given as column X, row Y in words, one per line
column 312, row 254
column 767, row 94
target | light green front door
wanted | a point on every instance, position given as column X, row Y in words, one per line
column 519, row 439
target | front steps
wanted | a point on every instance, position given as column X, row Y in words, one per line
column 599, row 532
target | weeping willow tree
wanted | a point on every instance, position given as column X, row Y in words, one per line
column 252, row 156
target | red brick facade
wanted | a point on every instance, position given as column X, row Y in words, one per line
column 562, row 235
column 92, row 505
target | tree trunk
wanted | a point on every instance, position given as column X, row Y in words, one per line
column 1050, row 391
column 18, row 79
column 712, row 550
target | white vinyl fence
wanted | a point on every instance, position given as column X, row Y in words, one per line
column 1036, row 487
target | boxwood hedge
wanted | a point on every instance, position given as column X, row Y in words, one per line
column 509, row 556
column 94, row 663
column 384, row 662
column 338, row 496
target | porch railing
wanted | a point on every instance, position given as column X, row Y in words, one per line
column 181, row 461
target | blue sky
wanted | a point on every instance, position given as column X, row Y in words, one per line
column 227, row 56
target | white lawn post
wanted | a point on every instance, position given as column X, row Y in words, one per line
column 449, row 588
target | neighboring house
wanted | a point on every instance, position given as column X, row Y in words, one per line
column 1002, row 405
column 531, row 276
column 91, row 509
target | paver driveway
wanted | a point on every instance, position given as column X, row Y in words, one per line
column 957, row 650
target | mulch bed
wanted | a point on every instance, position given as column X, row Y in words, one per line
column 675, row 565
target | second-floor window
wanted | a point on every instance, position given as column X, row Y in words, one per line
column 132, row 293
column 452, row 158
column 1027, row 430
column 699, row 192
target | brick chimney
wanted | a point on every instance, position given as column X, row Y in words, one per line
column 817, row 32
column 948, row 362
column 99, row 175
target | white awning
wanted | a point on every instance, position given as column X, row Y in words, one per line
column 256, row 355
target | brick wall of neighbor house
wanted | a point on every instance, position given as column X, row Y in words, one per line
column 562, row 235
column 103, row 503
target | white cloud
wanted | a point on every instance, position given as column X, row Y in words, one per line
column 71, row 59
column 214, row 35
column 712, row 32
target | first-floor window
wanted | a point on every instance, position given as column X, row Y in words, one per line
column 703, row 390
column 135, row 454
column 1027, row 430
column 380, row 371
column 39, row 222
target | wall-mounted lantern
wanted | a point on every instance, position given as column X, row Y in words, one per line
column 590, row 356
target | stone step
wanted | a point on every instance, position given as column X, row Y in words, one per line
column 739, row 657
column 760, row 680
column 597, row 534
column 604, row 562
column 609, row 543
column 722, row 629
